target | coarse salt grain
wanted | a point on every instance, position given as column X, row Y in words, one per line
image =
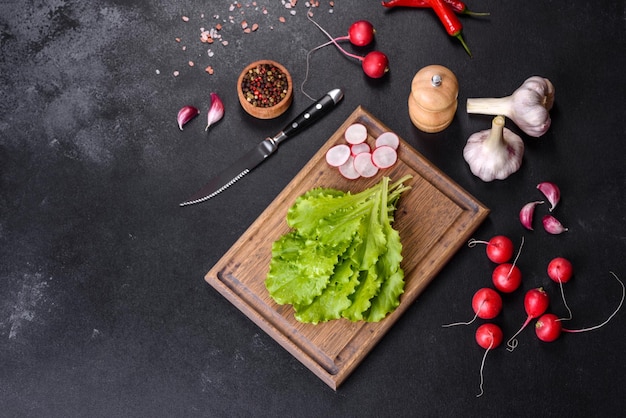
column 175, row 73
column 185, row 19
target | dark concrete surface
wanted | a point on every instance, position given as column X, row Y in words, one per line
column 103, row 306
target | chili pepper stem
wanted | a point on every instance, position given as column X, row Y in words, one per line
column 460, row 38
column 470, row 13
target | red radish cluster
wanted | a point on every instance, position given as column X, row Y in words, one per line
column 356, row 158
column 549, row 327
column 506, row 277
column 487, row 303
column 550, row 224
column 361, row 33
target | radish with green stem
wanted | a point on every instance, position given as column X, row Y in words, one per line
column 549, row 327
column 488, row 336
column 536, row 303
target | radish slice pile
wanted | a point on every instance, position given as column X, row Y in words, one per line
column 357, row 159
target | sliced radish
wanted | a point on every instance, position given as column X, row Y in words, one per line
column 364, row 166
column 338, row 155
column 359, row 148
column 347, row 169
column 356, row 133
column 388, row 138
column 384, row 156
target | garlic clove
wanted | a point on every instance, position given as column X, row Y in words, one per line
column 216, row 111
column 552, row 225
column 185, row 114
column 527, row 212
column 551, row 191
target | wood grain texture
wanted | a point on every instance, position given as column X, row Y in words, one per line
column 434, row 219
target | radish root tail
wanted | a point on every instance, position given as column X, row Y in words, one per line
column 482, row 367
column 565, row 303
column 621, row 302
column 466, row 323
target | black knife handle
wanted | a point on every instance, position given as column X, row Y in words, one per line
column 312, row 114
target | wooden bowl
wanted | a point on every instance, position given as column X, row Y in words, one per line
column 254, row 105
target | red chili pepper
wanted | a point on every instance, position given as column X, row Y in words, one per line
column 459, row 7
column 456, row 5
column 450, row 21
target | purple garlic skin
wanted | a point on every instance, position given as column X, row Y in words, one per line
column 552, row 225
column 527, row 212
column 216, row 111
column 551, row 191
column 185, row 115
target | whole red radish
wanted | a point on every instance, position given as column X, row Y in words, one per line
column 507, row 277
column 548, row 327
column 560, row 270
column 499, row 248
column 488, row 336
column 487, row 303
column 375, row 64
column 536, row 302
column 361, row 33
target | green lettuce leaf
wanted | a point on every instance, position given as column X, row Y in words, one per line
column 342, row 257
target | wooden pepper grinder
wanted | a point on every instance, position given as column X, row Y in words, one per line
column 433, row 98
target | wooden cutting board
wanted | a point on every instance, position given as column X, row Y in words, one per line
column 434, row 219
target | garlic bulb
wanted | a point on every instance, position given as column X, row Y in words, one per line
column 494, row 153
column 528, row 107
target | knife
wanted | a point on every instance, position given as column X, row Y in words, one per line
column 267, row 147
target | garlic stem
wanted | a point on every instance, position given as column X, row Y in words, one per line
column 490, row 106
column 495, row 140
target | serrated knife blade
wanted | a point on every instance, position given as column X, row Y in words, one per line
column 267, row 147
